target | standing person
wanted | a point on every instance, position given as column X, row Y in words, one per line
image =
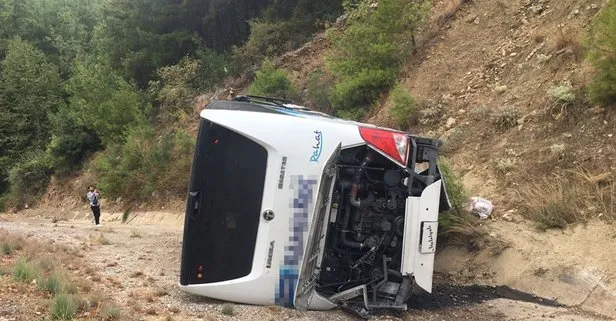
column 94, row 196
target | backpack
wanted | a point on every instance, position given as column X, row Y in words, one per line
column 94, row 200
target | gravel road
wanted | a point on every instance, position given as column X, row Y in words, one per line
column 139, row 267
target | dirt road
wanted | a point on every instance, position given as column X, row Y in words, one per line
column 139, row 267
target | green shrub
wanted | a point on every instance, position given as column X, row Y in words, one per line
column 51, row 284
column 352, row 93
column 29, row 178
column 403, row 106
column 126, row 214
column 318, row 89
column 6, row 248
column 103, row 101
column 267, row 39
column 63, row 307
column 111, row 313
column 504, row 118
column 146, row 163
column 213, row 68
column 366, row 57
column 24, row 271
column 271, row 81
column 71, row 143
column 175, row 89
column 601, row 45
column 562, row 93
column 457, row 225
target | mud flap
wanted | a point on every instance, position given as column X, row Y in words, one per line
column 420, row 231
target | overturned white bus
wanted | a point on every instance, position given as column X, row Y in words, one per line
column 293, row 207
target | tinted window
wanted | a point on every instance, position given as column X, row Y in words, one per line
column 223, row 209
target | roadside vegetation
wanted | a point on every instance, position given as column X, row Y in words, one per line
column 458, row 226
column 49, row 274
column 575, row 197
column 602, row 55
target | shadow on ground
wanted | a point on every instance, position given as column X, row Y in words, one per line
column 450, row 296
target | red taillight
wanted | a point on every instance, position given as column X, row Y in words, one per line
column 393, row 144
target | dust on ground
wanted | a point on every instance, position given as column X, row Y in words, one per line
column 139, row 266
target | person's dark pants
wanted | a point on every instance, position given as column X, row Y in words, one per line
column 96, row 210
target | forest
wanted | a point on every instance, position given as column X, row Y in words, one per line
column 103, row 89
column 84, row 78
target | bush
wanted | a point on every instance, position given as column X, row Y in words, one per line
column 352, row 93
column 63, row 307
column 504, row 118
column 24, row 271
column 403, row 106
column 103, row 101
column 267, row 39
column 111, row 313
column 602, row 54
column 562, row 93
column 71, row 143
column 367, row 56
column 457, row 225
column 146, row 163
column 318, row 90
column 271, row 81
column 51, row 284
column 552, row 203
column 29, row 178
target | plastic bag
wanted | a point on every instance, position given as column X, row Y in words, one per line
column 481, row 207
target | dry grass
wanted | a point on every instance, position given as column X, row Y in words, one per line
column 135, row 233
column 457, row 226
column 562, row 200
column 569, row 40
column 51, row 266
column 102, row 240
column 228, row 309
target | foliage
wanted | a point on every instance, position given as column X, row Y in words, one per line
column 267, row 39
column 562, row 93
column 60, row 28
column 505, row 117
column 602, row 54
column 29, row 90
column 318, row 89
column 271, row 81
column 403, row 106
column 367, row 56
column 30, row 177
column 51, row 284
column 146, row 163
column 71, row 142
column 24, row 271
column 175, row 89
column 457, row 225
column 103, row 101
column 63, row 307
column 111, row 313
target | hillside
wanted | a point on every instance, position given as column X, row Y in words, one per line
column 484, row 77
column 481, row 78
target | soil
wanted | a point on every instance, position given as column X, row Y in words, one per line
column 139, row 264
